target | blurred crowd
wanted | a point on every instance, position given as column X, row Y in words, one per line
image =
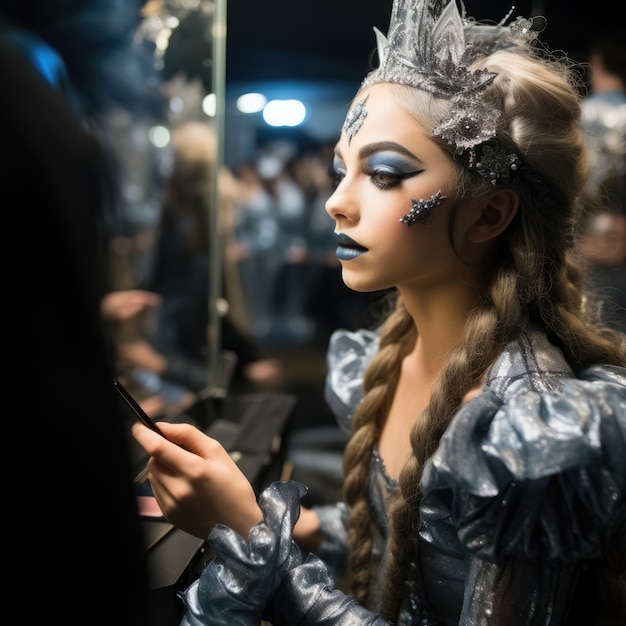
column 604, row 119
column 281, row 281
column 284, row 246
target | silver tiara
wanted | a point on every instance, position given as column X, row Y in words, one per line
column 429, row 46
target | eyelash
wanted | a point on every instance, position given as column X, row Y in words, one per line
column 335, row 176
column 376, row 177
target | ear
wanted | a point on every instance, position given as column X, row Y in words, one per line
column 498, row 210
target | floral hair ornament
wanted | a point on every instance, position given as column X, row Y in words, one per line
column 429, row 46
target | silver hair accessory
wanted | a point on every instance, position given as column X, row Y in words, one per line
column 355, row 119
column 422, row 209
column 429, row 46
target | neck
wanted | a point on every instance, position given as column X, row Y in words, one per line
column 439, row 317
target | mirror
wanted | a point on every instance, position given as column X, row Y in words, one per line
column 166, row 235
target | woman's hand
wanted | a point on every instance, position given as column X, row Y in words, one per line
column 195, row 482
column 127, row 303
column 140, row 353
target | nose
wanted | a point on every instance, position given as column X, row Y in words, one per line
column 341, row 205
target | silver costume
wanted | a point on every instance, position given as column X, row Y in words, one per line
column 527, row 485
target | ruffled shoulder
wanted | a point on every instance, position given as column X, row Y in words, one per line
column 534, row 467
column 349, row 353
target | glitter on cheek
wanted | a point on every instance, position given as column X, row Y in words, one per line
column 355, row 119
column 422, row 209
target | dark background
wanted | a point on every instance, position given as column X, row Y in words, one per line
column 333, row 40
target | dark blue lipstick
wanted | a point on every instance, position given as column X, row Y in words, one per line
column 348, row 248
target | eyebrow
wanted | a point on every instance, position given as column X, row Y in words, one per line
column 381, row 146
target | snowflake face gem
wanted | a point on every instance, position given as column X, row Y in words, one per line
column 354, row 119
column 421, row 209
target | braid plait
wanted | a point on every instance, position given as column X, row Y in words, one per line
column 533, row 280
column 461, row 373
column 379, row 386
column 551, row 290
column 486, row 329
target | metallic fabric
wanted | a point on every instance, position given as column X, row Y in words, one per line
column 527, row 484
column 349, row 353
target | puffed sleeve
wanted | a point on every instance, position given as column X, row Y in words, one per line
column 542, row 476
column 347, row 356
column 268, row 577
column 536, row 483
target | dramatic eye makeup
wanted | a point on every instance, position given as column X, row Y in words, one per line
column 388, row 169
column 337, row 170
column 386, row 164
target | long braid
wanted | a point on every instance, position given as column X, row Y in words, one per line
column 368, row 419
column 551, row 286
column 486, row 330
column 461, row 373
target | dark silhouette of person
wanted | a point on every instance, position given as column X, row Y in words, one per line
column 604, row 121
column 79, row 556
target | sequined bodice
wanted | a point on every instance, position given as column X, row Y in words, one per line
column 441, row 592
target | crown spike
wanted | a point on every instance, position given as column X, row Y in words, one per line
column 429, row 46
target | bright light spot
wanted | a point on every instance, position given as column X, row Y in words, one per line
column 176, row 104
column 209, row 104
column 284, row 112
column 159, row 136
column 163, row 39
column 251, row 102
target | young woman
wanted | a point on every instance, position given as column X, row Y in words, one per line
column 485, row 479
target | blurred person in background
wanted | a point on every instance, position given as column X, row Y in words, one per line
column 255, row 248
column 292, row 324
column 271, row 229
column 170, row 355
column 604, row 121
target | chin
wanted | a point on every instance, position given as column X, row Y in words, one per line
column 359, row 285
